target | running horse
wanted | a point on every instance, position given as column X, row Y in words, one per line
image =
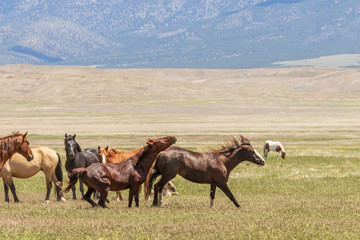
column 46, row 160
column 76, row 158
column 128, row 174
column 15, row 143
column 274, row 146
column 210, row 167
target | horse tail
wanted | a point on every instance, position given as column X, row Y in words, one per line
column 74, row 177
column 151, row 176
column 58, row 170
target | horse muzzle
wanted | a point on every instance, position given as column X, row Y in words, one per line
column 31, row 157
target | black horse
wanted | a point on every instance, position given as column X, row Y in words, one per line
column 76, row 158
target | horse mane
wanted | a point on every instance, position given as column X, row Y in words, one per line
column 14, row 134
column 230, row 146
column 139, row 155
column 6, row 143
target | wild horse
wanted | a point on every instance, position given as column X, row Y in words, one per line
column 45, row 159
column 15, row 143
column 211, row 167
column 130, row 173
column 76, row 158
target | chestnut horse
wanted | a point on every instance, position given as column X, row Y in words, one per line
column 130, row 173
column 15, row 143
column 46, row 160
column 114, row 155
column 211, row 167
column 274, row 146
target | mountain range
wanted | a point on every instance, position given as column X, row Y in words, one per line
column 179, row 33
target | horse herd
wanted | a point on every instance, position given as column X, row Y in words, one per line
column 103, row 169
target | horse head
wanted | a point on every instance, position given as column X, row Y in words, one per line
column 103, row 154
column 161, row 144
column 71, row 146
column 244, row 151
column 24, row 146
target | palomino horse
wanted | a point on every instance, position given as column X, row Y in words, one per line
column 114, row 155
column 15, row 143
column 274, row 146
column 130, row 173
column 76, row 158
column 45, row 159
column 211, row 167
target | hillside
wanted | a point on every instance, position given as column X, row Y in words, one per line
column 181, row 33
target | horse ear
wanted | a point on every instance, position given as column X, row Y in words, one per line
column 99, row 147
column 107, row 148
column 74, row 136
column 25, row 134
column 66, row 135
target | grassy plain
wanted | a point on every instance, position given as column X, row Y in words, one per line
column 315, row 113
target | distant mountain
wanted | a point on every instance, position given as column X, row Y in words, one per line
column 177, row 33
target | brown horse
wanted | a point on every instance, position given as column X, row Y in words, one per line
column 130, row 173
column 15, row 143
column 114, row 155
column 212, row 167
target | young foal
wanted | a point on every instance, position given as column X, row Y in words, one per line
column 212, row 167
column 15, row 143
column 130, row 173
column 274, row 146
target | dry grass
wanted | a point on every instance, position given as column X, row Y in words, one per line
column 314, row 112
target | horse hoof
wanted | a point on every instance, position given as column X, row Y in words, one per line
column 63, row 199
column 47, row 201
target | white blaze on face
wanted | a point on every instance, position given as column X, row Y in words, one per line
column 103, row 158
column 258, row 155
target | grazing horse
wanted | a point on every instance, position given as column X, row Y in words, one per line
column 15, row 143
column 211, row 167
column 274, row 146
column 45, row 159
column 76, row 158
column 130, row 173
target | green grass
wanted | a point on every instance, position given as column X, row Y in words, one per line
column 303, row 197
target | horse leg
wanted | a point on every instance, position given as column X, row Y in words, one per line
column 74, row 193
column 6, row 189
column 102, row 198
column 137, row 196
column 48, row 191
column 212, row 194
column 158, row 188
column 58, row 187
column 224, row 187
column 13, row 190
column 119, row 197
column 81, row 188
column 87, row 197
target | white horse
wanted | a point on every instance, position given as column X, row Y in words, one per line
column 274, row 146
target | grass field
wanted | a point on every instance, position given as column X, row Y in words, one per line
column 315, row 113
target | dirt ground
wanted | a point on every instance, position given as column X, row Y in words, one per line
column 201, row 107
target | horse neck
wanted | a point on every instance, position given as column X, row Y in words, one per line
column 147, row 159
column 231, row 161
column 7, row 149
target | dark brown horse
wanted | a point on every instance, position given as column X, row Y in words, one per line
column 15, row 143
column 212, row 167
column 130, row 173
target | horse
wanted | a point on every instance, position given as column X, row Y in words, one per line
column 168, row 190
column 274, row 146
column 76, row 158
column 128, row 174
column 212, row 167
column 15, row 143
column 45, row 159
column 114, row 155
